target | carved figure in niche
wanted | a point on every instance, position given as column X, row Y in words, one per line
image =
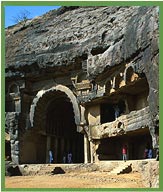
column 134, row 77
column 13, row 99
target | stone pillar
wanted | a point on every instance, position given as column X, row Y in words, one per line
column 18, row 105
column 127, row 108
column 73, row 151
column 93, row 147
column 68, row 145
column 91, row 151
column 62, row 147
column 48, row 142
column 12, row 122
column 56, row 150
column 85, row 149
column 97, row 143
column 82, row 109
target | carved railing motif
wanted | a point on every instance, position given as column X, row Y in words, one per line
column 131, row 122
column 87, row 90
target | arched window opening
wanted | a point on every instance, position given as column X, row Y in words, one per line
column 119, row 81
column 110, row 112
column 130, row 75
column 108, row 87
column 13, row 99
column 13, row 89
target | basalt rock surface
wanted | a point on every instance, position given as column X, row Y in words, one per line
column 99, row 37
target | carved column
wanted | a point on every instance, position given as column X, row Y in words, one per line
column 12, row 122
column 91, row 151
column 94, row 155
column 56, row 150
column 82, row 114
column 62, row 147
column 85, row 149
column 73, row 151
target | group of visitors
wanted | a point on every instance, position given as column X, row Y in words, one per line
column 67, row 158
column 148, row 153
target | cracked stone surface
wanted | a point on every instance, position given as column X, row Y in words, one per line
column 101, row 37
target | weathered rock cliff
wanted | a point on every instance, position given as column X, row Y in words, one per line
column 97, row 37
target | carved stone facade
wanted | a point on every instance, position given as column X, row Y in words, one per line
column 87, row 90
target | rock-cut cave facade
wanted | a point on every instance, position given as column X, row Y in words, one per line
column 83, row 80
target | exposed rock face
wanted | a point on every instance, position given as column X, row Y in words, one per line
column 150, row 172
column 100, row 37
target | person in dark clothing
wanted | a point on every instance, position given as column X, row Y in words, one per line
column 146, row 153
column 150, row 154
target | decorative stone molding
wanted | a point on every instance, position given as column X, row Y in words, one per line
column 43, row 93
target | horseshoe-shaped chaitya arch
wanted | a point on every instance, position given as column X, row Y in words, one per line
column 58, row 88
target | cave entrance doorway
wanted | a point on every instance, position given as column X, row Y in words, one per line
column 62, row 137
column 55, row 125
column 136, row 141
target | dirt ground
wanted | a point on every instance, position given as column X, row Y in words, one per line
column 76, row 180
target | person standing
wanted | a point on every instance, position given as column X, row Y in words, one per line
column 64, row 158
column 124, row 152
column 150, row 154
column 146, row 153
column 50, row 156
column 69, row 157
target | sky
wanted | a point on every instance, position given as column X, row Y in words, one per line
column 13, row 11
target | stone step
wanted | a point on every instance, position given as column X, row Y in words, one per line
column 122, row 168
